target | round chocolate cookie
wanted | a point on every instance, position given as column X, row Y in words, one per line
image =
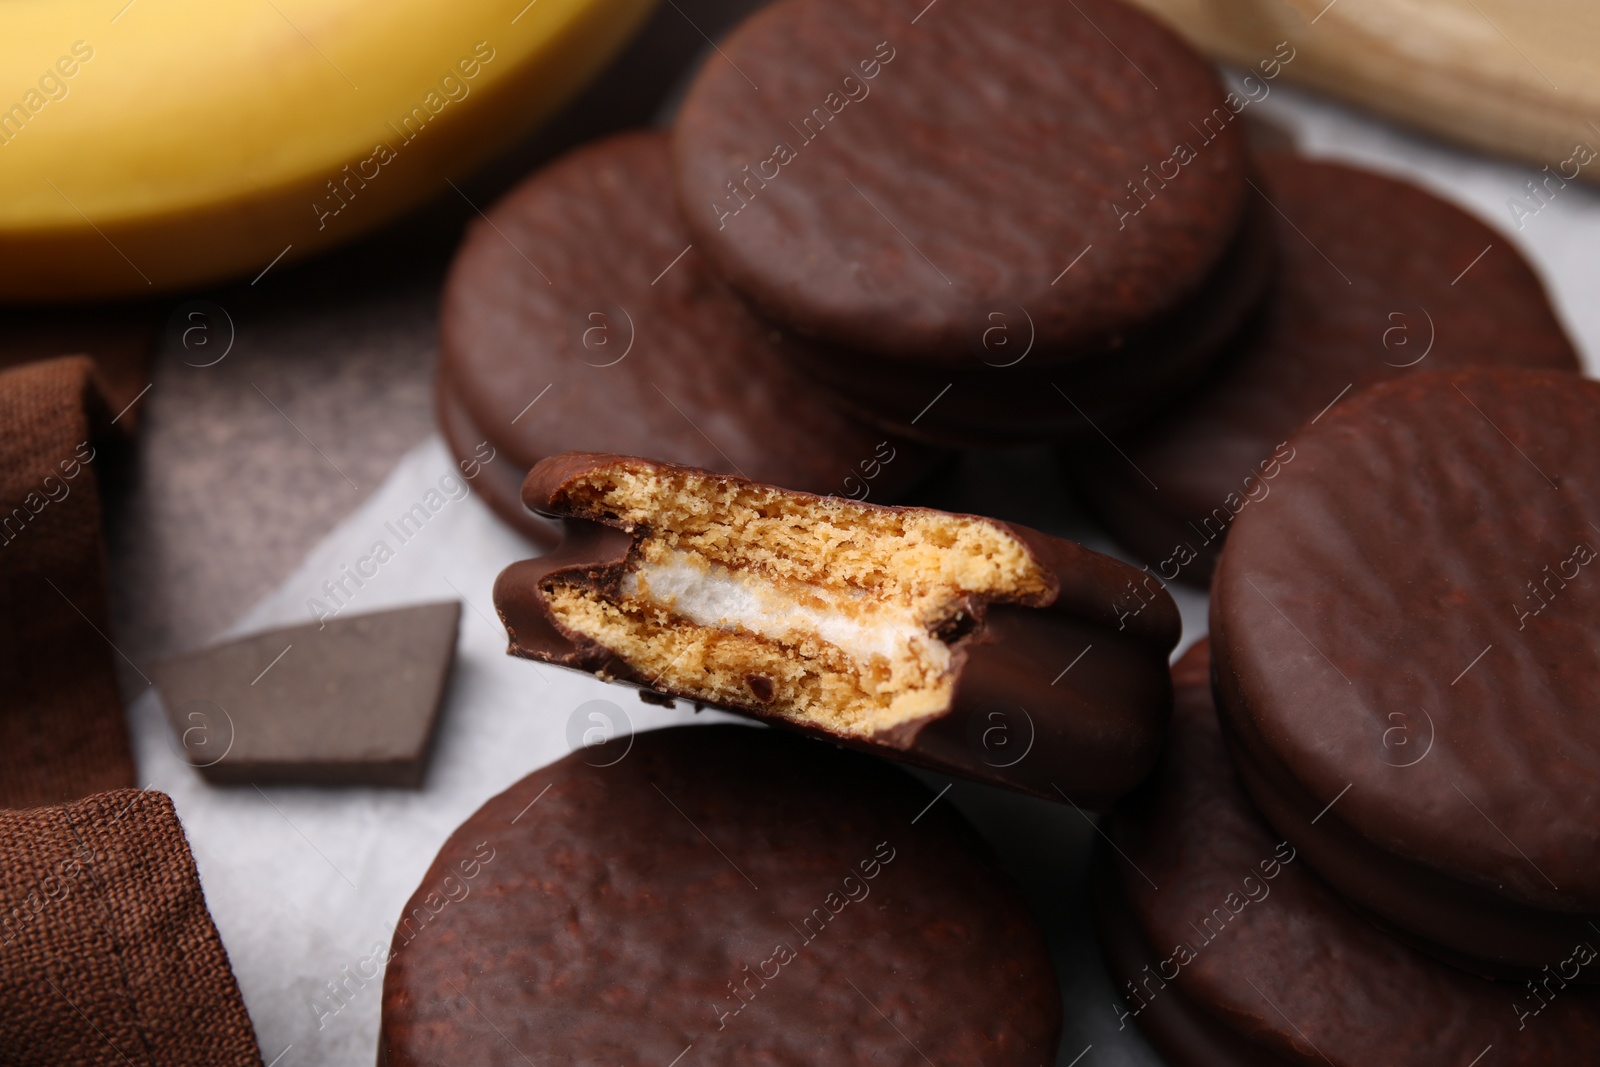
column 1040, row 206
column 500, row 483
column 577, row 315
column 1243, row 956
column 1407, row 641
column 746, row 894
column 1377, row 279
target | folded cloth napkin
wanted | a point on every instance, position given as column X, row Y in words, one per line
column 62, row 734
column 120, row 338
column 107, row 953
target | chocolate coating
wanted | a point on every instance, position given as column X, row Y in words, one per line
column 996, row 139
column 621, row 914
column 1383, row 652
column 582, row 281
column 500, row 484
column 904, row 190
column 1087, row 734
column 1289, row 974
column 1377, row 278
column 1002, row 397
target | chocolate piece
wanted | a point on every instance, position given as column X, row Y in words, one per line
column 955, row 642
column 349, row 701
column 1405, row 636
column 1243, row 956
column 1039, row 206
column 580, row 315
column 740, row 895
column 1378, row 279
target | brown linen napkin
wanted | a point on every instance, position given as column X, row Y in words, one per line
column 120, row 338
column 62, row 734
column 107, row 953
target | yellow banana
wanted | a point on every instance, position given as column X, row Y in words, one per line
column 150, row 145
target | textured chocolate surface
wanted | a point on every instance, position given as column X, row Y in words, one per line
column 946, row 195
column 1010, row 392
column 986, row 147
column 500, row 487
column 1377, row 278
column 744, row 893
column 1278, row 969
column 1064, row 699
column 351, row 701
column 1405, row 636
column 583, row 282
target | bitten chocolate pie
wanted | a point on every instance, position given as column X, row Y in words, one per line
column 909, row 632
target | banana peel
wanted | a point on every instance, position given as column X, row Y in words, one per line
column 157, row 145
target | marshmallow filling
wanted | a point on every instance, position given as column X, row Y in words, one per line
column 826, row 611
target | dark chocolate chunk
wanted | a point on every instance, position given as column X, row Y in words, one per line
column 722, row 895
column 952, row 641
column 352, row 701
column 1407, row 642
column 1228, row 950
